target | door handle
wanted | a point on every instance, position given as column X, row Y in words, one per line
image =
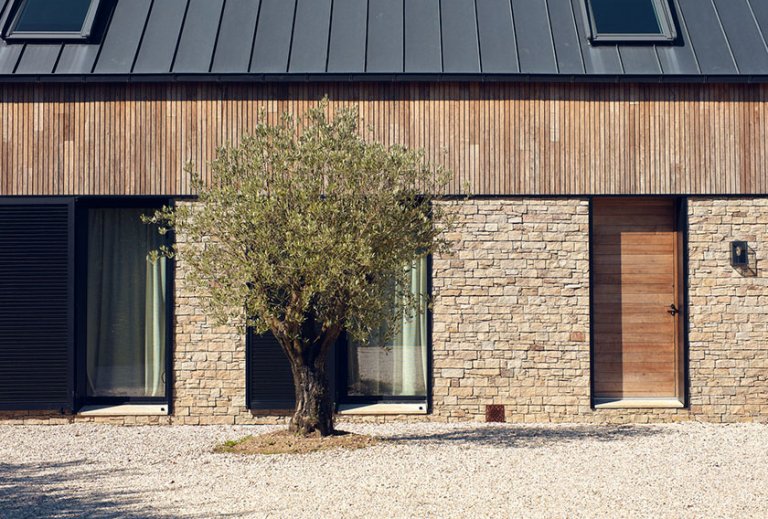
column 673, row 310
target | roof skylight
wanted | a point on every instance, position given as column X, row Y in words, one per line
column 630, row 21
column 51, row 19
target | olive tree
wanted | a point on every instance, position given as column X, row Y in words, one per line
column 305, row 230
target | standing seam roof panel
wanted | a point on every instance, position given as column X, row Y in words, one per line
column 422, row 36
column 38, row 58
column 639, row 59
column 566, row 38
column 346, row 49
column 161, row 36
column 760, row 10
column 497, row 36
column 198, row 37
column 123, row 36
column 77, row 58
column 744, row 36
column 272, row 45
column 707, row 37
column 461, row 49
column 235, row 40
column 534, row 37
column 385, row 36
column 309, row 50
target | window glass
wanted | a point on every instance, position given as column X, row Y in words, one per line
column 126, row 306
column 52, row 16
column 625, row 17
column 398, row 367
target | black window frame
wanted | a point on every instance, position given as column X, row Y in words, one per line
column 10, row 20
column 342, row 359
column 664, row 16
column 82, row 206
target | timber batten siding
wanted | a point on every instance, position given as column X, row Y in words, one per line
column 497, row 138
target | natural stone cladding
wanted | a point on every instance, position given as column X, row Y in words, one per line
column 511, row 323
column 511, row 311
column 728, row 332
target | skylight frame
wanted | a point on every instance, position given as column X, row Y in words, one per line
column 664, row 16
column 10, row 20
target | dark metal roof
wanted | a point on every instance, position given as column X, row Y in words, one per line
column 393, row 39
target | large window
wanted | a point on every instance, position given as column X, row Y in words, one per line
column 51, row 19
column 126, row 306
column 630, row 20
column 396, row 369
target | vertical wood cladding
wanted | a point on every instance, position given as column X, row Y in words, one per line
column 497, row 138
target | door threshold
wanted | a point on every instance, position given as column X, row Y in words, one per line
column 638, row 403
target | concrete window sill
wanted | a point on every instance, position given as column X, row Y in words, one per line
column 639, row 403
column 383, row 409
column 124, row 410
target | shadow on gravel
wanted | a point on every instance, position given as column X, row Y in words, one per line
column 530, row 436
column 56, row 490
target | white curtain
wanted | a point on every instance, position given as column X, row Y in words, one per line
column 125, row 324
column 397, row 367
column 154, row 328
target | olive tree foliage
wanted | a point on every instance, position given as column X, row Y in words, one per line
column 307, row 227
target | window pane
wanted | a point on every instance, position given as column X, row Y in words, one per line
column 126, row 296
column 625, row 17
column 397, row 367
column 53, row 16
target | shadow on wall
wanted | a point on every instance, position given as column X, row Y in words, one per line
column 56, row 490
column 531, row 436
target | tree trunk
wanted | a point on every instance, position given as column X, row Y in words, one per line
column 314, row 408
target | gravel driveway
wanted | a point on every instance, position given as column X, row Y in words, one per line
column 459, row 470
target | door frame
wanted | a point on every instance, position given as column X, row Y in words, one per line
column 682, row 296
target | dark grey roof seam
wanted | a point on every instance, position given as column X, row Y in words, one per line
column 477, row 33
column 218, row 33
column 514, row 29
column 404, row 45
column 178, row 38
column 621, row 61
column 658, row 59
column 103, row 37
column 440, row 33
column 578, row 37
column 18, row 58
column 143, row 32
column 551, row 35
column 686, row 36
column 757, row 24
column 293, row 34
column 328, row 41
column 367, row 33
column 58, row 57
column 725, row 36
column 255, row 30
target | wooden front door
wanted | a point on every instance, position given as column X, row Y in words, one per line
column 636, row 303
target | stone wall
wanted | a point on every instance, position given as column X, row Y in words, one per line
column 511, row 312
column 728, row 333
column 511, row 323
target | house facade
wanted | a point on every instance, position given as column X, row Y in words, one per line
column 610, row 188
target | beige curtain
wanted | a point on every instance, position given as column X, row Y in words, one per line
column 397, row 367
column 125, row 323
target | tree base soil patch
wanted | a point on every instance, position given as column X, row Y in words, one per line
column 285, row 442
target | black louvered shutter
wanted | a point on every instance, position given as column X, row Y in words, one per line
column 270, row 383
column 36, row 305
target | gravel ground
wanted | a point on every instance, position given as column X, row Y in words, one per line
column 458, row 470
